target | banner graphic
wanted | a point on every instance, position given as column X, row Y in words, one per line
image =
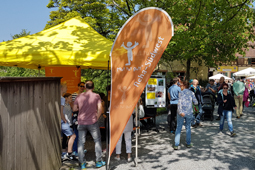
column 70, row 75
column 134, row 55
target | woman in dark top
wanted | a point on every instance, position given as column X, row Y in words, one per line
column 226, row 103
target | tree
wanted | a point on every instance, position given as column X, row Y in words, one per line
column 17, row 71
column 101, row 78
column 209, row 31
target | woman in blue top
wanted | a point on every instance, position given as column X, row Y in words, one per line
column 185, row 112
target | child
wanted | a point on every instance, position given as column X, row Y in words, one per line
column 67, row 110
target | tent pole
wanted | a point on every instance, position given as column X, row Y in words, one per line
column 107, row 127
column 39, row 68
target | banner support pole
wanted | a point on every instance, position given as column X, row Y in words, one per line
column 136, row 134
column 107, row 126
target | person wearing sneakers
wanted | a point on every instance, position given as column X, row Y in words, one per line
column 89, row 106
column 226, row 101
column 238, row 88
column 65, row 127
column 185, row 112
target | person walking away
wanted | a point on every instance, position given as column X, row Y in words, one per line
column 128, row 140
column 65, row 127
column 185, row 113
column 173, row 96
column 238, row 88
column 197, row 91
column 90, row 108
column 226, row 101
column 81, row 88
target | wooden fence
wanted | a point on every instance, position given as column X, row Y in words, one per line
column 30, row 123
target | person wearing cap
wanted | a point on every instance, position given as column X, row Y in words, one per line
column 190, row 82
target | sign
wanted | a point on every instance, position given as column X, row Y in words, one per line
column 70, row 75
column 134, row 55
column 227, row 68
column 155, row 92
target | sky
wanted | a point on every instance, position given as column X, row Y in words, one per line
column 16, row 15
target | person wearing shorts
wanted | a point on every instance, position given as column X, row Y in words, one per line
column 65, row 127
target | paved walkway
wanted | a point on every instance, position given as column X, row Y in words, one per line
column 211, row 151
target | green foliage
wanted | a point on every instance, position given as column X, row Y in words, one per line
column 23, row 33
column 16, row 71
column 99, row 77
column 212, row 31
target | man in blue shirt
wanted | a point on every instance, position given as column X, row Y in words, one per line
column 173, row 96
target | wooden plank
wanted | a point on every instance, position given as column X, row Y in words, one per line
column 24, row 103
column 17, row 116
column 45, row 136
column 4, row 119
column 29, row 111
column 12, row 92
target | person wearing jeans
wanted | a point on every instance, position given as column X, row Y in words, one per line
column 226, row 102
column 89, row 106
column 184, row 113
column 180, row 121
column 95, row 133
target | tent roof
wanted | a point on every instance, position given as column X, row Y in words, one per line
column 71, row 43
column 246, row 72
column 218, row 76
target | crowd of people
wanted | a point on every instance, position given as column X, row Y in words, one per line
column 85, row 111
column 186, row 103
column 79, row 114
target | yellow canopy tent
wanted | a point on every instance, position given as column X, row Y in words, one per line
column 72, row 43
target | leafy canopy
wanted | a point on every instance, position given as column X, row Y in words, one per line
column 209, row 31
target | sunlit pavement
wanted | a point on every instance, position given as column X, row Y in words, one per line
column 211, row 150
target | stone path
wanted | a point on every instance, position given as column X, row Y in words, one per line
column 211, row 151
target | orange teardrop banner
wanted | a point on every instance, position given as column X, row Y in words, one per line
column 135, row 53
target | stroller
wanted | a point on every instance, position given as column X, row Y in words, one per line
column 252, row 98
column 208, row 106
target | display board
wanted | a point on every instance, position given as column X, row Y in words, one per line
column 155, row 92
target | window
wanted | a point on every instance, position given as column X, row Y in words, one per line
column 231, row 74
column 252, row 60
column 249, row 61
column 224, row 73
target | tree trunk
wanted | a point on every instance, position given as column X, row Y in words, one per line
column 188, row 70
